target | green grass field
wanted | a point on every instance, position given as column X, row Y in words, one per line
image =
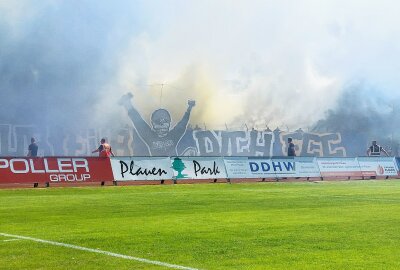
column 302, row 225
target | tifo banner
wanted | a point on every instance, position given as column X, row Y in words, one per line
column 307, row 167
column 378, row 166
column 137, row 137
column 141, row 168
column 339, row 167
column 198, row 167
column 54, row 169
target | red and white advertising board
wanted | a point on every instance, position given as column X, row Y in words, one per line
column 54, row 169
column 377, row 166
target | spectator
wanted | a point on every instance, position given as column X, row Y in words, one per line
column 375, row 150
column 291, row 151
column 33, row 148
column 104, row 149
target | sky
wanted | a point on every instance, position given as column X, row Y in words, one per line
column 251, row 63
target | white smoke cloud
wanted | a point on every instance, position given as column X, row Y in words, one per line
column 256, row 62
column 277, row 62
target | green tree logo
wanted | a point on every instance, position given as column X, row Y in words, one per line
column 179, row 166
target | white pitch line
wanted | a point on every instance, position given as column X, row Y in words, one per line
column 174, row 266
column 8, row 240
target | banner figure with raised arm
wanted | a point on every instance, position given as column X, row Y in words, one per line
column 159, row 138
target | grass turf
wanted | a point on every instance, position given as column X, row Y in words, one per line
column 302, row 225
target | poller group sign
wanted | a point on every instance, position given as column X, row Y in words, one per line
column 54, row 169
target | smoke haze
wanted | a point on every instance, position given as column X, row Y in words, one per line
column 277, row 63
column 362, row 114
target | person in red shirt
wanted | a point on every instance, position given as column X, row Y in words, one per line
column 104, row 149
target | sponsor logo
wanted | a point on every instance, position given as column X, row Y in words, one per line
column 69, row 177
column 273, row 166
column 380, row 170
column 58, row 169
column 179, row 166
column 390, row 170
column 199, row 169
column 137, row 170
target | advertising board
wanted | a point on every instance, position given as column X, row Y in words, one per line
column 307, row 167
column 339, row 167
column 54, row 169
column 236, row 167
column 378, row 166
column 245, row 167
column 141, row 168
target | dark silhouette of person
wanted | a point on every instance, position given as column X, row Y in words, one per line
column 375, row 150
column 33, row 148
column 291, row 152
column 159, row 138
